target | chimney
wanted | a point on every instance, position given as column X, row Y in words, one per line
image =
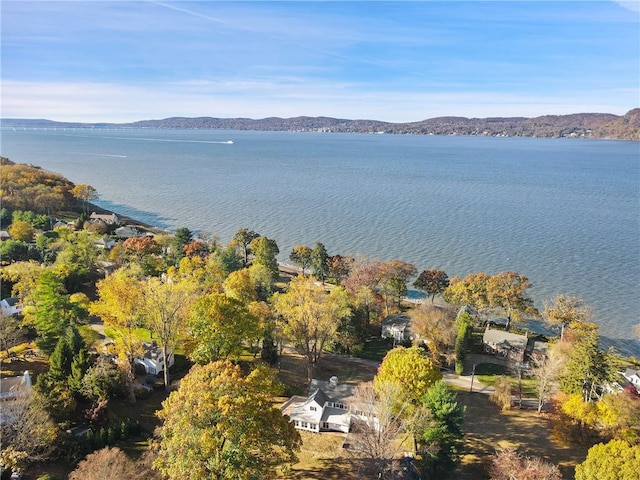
column 333, row 381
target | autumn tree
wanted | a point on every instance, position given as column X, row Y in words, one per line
column 10, row 332
column 312, row 316
column 501, row 395
column 242, row 239
column 85, row 193
column 471, row 291
column 394, row 276
column 21, row 231
column 383, row 425
column 507, row 291
column 547, row 372
column 508, row 464
column 338, row 267
column 301, row 256
column 616, row 460
column 221, row 424
column 219, row 324
column 28, row 434
column 433, row 282
column 410, row 369
column 109, row 463
column 120, row 305
column 435, row 326
column 564, row 310
column 165, row 307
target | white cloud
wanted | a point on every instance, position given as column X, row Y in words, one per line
column 100, row 102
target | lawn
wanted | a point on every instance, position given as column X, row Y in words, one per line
column 486, row 428
column 489, row 374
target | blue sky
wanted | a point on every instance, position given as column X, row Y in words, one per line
column 119, row 61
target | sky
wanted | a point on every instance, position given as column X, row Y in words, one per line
column 396, row 61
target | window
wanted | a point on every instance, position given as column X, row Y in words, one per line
column 313, row 409
column 297, row 423
column 313, row 426
column 304, row 425
column 325, row 425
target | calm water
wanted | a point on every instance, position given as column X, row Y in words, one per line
column 565, row 213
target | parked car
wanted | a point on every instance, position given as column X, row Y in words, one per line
column 16, row 476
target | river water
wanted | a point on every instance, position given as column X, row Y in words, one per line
column 563, row 212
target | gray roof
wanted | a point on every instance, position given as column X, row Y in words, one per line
column 500, row 337
column 396, row 320
column 338, row 392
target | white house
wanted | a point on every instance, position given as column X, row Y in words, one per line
column 11, row 306
column 397, row 327
column 153, row 360
column 633, row 376
column 11, row 387
column 127, row 232
column 327, row 408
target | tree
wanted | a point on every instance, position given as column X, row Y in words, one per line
column 410, row 369
column 301, row 256
column 10, row 332
column 221, row 425
column 27, row 431
column 501, row 396
column 547, row 372
column 433, row 282
column 320, row 262
column 242, row 239
column 264, row 253
column 471, row 291
column 507, row 291
column 616, row 460
column 165, row 308
column 394, row 276
column 85, row 193
column 182, row 237
column 219, row 324
column 105, row 380
column 564, row 310
column 508, row 464
column 21, row 231
column 120, row 305
column 382, row 425
column 435, row 327
column 440, row 437
column 105, row 464
column 51, row 310
column 588, row 367
column 14, row 251
column 464, row 325
column 312, row 316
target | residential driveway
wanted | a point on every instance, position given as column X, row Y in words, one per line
column 97, row 325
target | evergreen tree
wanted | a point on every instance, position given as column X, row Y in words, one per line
column 320, row 262
column 443, row 432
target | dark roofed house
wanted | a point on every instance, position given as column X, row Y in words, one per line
column 325, row 409
column 512, row 346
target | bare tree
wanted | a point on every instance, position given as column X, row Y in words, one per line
column 547, row 372
column 28, row 434
column 106, row 464
column 436, row 327
column 502, row 393
column 382, row 425
column 10, row 332
column 507, row 464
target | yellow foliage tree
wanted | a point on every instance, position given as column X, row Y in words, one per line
column 222, row 425
column 410, row 369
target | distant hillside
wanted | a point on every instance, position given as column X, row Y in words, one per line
column 579, row 125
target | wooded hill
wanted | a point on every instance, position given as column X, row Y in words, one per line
column 579, row 125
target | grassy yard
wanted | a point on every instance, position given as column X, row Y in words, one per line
column 489, row 374
column 486, row 428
